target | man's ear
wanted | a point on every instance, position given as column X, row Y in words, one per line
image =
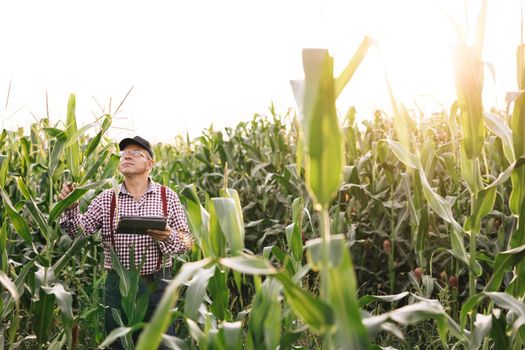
column 151, row 163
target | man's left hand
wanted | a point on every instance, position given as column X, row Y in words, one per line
column 160, row 235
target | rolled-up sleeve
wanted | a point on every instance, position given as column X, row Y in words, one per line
column 180, row 239
column 89, row 222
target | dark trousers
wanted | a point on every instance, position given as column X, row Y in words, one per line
column 152, row 284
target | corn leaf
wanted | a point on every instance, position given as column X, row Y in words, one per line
column 56, row 153
column 152, row 334
column 19, row 282
column 72, row 145
column 438, row 204
column 33, row 208
column 352, row 66
column 199, row 219
column 196, row 292
column 43, row 314
column 315, row 97
column 314, row 312
column 468, row 70
column 517, row 124
column 504, row 262
column 19, row 223
column 111, row 166
column 230, row 224
column 248, row 264
column 504, row 132
column 4, row 161
column 64, row 300
column 74, row 196
column 6, row 282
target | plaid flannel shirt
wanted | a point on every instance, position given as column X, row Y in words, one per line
column 97, row 217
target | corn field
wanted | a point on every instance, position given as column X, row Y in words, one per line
column 312, row 230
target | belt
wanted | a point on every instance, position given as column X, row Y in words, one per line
column 164, row 273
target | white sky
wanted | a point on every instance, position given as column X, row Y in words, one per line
column 194, row 63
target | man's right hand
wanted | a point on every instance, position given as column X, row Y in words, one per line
column 67, row 188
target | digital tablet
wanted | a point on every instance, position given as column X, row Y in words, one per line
column 140, row 224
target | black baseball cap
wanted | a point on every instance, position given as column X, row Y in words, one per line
column 138, row 141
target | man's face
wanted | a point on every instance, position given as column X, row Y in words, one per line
column 135, row 160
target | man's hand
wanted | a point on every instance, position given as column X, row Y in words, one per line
column 160, row 235
column 67, row 188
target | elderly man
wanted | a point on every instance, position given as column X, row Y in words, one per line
column 138, row 196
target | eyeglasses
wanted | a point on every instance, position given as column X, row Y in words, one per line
column 133, row 153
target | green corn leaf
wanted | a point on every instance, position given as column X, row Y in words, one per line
column 220, row 294
column 6, row 282
column 33, row 208
column 72, row 145
column 484, row 202
column 116, row 334
column 77, row 245
column 4, row 160
column 450, row 164
column 422, row 236
column 504, row 262
column 300, row 148
column 232, row 335
column 470, row 171
column 468, row 307
column 74, row 138
column 264, row 325
column 92, row 145
column 298, row 211
column 90, row 174
column 64, row 300
column 196, row 292
column 367, row 299
column 111, row 167
column 248, row 264
column 198, row 218
column 74, row 196
column 3, row 246
column 314, row 312
column 498, row 331
column 409, row 159
column 517, row 124
column 56, row 153
column 417, row 312
column 19, row 223
column 42, row 315
column 315, row 97
column 20, row 280
column 217, row 239
column 508, row 302
column 342, row 286
column 231, row 193
column 518, row 189
column 352, row 66
column 504, row 132
column 229, row 221
column 152, row 334
column 438, row 204
column 125, row 278
column 469, row 84
column 293, row 237
column 343, row 300
column 53, row 132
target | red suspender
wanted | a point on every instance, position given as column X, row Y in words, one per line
column 112, row 217
column 165, row 212
column 164, row 201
